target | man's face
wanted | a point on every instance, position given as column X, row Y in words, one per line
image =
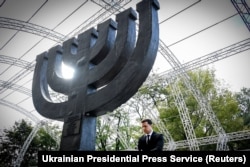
column 146, row 127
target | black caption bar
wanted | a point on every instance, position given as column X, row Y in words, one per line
column 124, row 158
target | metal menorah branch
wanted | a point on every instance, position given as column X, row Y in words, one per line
column 110, row 65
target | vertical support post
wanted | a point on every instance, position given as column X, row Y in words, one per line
column 79, row 133
column 88, row 134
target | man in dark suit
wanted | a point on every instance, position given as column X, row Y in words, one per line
column 150, row 141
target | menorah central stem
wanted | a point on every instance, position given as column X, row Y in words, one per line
column 79, row 133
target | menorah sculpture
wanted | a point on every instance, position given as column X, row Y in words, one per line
column 109, row 68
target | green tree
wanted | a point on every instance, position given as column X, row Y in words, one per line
column 48, row 137
column 103, row 132
column 125, row 130
column 222, row 101
column 12, row 141
column 243, row 98
column 115, row 131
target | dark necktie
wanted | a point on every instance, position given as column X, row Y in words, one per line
column 147, row 139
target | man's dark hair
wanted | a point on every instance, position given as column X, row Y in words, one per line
column 148, row 121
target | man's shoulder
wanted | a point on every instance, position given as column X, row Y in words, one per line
column 142, row 136
column 158, row 135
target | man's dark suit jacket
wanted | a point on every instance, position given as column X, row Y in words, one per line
column 155, row 143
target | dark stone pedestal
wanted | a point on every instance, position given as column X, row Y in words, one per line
column 79, row 133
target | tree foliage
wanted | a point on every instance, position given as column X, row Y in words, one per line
column 156, row 100
column 243, row 98
column 223, row 103
column 12, row 141
column 115, row 131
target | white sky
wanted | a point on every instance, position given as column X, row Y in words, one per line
column 232, row 70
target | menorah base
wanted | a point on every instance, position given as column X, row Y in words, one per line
column 79, row 133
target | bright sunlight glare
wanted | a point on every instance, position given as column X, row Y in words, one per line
column 67, row 72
